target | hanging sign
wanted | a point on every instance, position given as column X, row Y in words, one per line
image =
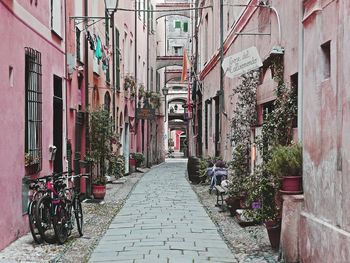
column 145, row 113
column 241, row 62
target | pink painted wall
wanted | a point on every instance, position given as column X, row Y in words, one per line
column 259, row 19
column 325, row 222
column 18, row 32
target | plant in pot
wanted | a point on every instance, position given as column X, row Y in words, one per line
column 139, row 159
column 117, row 165
column 261, row 197
column 101, row 137
column 285, row 163
column 31, row 163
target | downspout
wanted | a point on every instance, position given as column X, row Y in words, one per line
column 113, row 68
column 65, row 83
column 148, row 89
column 135, row 58
column 301, row 75
column 86, row 80
column 221, row 92
column 199, row 132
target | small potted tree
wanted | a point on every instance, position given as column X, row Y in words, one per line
column 101, row 137
column 286, row 164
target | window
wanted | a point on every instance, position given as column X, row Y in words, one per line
column 77, row 35
column 107, row 102
column 33, row 106
column 178, row 51
column 206, row 124
column 185, row 27
column 177, row 24
column 158, row 81
column 56, row 16
column 151, row 77
column 326, row 51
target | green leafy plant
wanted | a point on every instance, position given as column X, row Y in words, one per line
column 101, row 136
column 155, row 100
column 129, row 83
column 117, row 165
column 30, row 159
column 261, row 197
column 139, row 158
column 142, row 92
column 285, row 160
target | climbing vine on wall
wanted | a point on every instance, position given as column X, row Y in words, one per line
column 278, row 125
column 244, row 117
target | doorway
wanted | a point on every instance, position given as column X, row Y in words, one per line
column 57, row 123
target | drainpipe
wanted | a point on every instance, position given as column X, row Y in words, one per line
column 300, row 75
column 148, row 88
column 86, row 82
column 221, row 92
column 135, row 58
column 65, row 83
column 113, row 68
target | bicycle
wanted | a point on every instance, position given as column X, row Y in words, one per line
column 49, row 206
column 37, row 187
column 63, row 221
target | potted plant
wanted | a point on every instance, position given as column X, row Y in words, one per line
column 261, row 198
column 31, row 163
column 286, row 164
column 117, row 165
column 101, row 137
column 142, row 92
column 139, row 158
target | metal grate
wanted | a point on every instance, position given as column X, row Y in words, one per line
column 33, row 107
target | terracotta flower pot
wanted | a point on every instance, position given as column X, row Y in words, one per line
column 291, row 185
column 274, row 232
column 99, row 191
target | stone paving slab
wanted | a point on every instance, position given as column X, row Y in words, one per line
column 163, row 221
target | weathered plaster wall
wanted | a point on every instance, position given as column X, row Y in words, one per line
column 325, row 218
column 18, row 33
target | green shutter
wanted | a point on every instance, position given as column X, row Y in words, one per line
column 177, row 24
column 185, row 26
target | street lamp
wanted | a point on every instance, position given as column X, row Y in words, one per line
column 165, row 92
column 111, row 6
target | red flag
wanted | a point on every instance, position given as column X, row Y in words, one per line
column 186, row 65
column 186, row 69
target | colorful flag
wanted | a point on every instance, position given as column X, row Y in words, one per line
column 186, row 66
column 185, row 75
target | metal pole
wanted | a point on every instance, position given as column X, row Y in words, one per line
column 148, row 88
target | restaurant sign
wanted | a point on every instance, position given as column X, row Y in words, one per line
column 145, row 113
column 241, row 62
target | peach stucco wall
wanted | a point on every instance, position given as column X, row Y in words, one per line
column 17, row 33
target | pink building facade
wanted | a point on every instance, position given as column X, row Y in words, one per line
column 33, row 77
column 325, row 224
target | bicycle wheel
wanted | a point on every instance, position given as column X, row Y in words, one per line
column 33, row 223
column 43, row 214
column 60, row 224
column 78, row 213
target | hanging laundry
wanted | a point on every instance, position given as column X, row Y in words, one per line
column 98, row 52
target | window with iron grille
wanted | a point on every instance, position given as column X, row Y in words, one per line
column 33, row 107
column 177, row 24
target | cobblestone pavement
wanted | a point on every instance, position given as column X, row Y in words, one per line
column 97, row 217
column 163, row 221
column 248, row 244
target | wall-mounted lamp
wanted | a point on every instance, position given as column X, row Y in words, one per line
column 165, row 92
